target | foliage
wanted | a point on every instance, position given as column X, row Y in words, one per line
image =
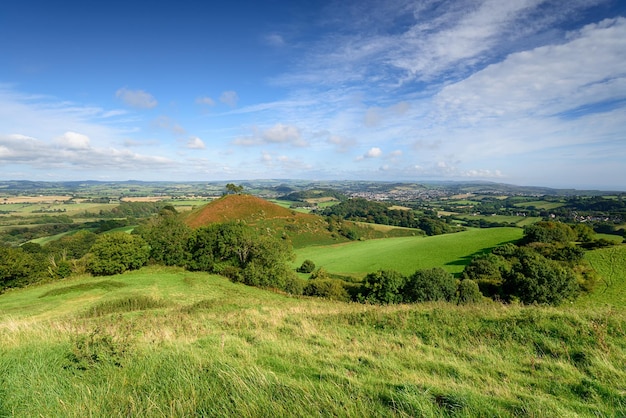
column 536, row 279
column 73, row 246
column 116, row 253
column 384, row 287
column 357, row 209
column 167, row 236
column 332, row 289
column 430, row 285
column 241, row 252
column 233, row 188
column 468, row 292
column 307, row 266
column 548, row 232
column 17, row 267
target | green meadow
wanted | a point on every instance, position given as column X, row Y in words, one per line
column 407, row 254
column 169, row 343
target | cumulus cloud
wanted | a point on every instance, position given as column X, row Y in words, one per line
column 74, row 140
column 229, row 98
column 136, row 98
column 74, row 154
column 195, row 143
column 373, row 152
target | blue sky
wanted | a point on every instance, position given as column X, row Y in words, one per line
column 526, row 92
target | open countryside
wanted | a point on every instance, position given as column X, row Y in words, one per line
column 209, row 312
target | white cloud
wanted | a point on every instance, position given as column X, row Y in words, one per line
column 136, row 98
column 74, row 140
column 373, row 152
column 195, row 143
column 230, row 98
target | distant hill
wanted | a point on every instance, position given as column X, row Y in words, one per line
column 241, row 207
column 301, row 229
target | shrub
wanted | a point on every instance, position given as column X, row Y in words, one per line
column 326, row 288
column 468, row 292
column 116, row 253
column 384, row 286
column 307, row 267
column 536, row 279
column 430, row 285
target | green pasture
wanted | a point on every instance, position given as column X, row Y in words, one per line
column 517, row 220
column 407, row 254
column 169, row 343
column 540, row 204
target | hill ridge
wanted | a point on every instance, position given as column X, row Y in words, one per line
column 240, row 207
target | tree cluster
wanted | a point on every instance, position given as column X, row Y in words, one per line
column 546, row 267
column 358, row 209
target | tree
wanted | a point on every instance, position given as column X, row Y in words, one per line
column 17, row 268
column 430, row 285
column 384, row 287
column 167, row 236
column 242, row 254
column 307, row 267
column 536, row 279
column 468, row 292
column 548, row 232
column 116, row 253
column 233, row 188
column 73, row 246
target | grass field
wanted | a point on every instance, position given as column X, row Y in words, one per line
column 610, row 263
column 517, row 220
column 169, row 343
column 407, row 254
column 540, row 204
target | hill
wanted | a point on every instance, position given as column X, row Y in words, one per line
column 242, row 207
column 167, row 342
column 302, row 229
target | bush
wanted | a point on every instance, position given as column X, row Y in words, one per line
column 307, row 267
column 468, row 292
column 536, row 279
column 430, row 285
column 384, row 287
column 116, row 253
column 326, row 288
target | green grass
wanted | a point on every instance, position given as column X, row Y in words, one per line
column 540, row 204
column 407, row 254
column 223, row 349
column 517, row 220
column 610, row 263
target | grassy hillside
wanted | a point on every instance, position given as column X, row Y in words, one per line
column 165, row 342
column 302, row 229
column 610, row 263
column 407, row 254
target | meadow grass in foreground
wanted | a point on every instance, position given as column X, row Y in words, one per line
column 407, row 254
column 166, row 342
